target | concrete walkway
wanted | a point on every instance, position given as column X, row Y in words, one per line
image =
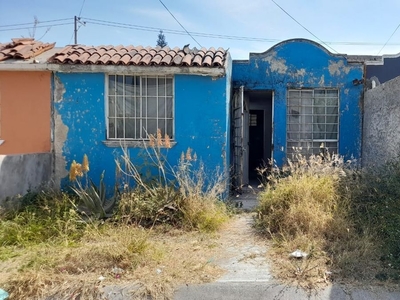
column 247, row 275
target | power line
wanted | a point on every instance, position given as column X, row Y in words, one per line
column 210, row 35
column 22, row 28
column 303, row 26
column 180, row 23
column 389, row 39
column 83, row 3
column 30, row 23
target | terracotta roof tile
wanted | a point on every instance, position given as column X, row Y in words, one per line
column 139, row 55
column 23, row 48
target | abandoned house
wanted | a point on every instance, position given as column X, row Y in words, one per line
column 234, row 115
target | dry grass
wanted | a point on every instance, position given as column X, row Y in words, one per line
column 156, row 261
column 305, row 207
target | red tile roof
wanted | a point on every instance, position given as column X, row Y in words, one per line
column 140, row 56
column 23, row 48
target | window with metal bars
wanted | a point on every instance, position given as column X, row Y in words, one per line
column 312, row 121
column 139, row 105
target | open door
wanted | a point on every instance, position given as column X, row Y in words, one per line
column 238, row 127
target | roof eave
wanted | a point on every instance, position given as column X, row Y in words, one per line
column 116, row 69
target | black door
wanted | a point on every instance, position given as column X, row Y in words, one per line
column 256, row 141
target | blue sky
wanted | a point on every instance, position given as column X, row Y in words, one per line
column 347, row 26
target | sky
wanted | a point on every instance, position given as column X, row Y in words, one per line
column 243, row 26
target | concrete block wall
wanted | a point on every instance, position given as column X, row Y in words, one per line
column 381, row 130
column 22, row 172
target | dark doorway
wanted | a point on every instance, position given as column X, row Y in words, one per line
column 256, row 141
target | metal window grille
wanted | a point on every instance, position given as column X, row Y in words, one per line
column 312, row 121
column 138, row 106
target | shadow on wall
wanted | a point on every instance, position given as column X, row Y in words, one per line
column 23, row 172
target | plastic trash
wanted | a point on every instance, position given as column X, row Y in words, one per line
column 3, row 294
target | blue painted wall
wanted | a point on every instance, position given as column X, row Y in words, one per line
column 305, row 64
column 200, row 122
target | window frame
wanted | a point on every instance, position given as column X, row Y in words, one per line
column 312, row 140
column 137, row 141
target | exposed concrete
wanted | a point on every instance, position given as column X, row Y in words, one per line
column 60, row 136
column 381, row 131
column 254, row 291
column 19, row 173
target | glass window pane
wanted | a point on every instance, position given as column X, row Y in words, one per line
column 152, row 107
column 152, row 126
column 111, row 85
column 120, row 106
column 130, row 107
column 331, row 110
column 151, row 87
column 332, row 93
column 111, row 128
column 120, row 84
column 161, row 107
column 129, row 86
column 120, row 128
column 170, row 129
column 161, row 86
column 332, row 102
column 130, row 128
column 169, row 107
column 111, row 106
column 169, row 86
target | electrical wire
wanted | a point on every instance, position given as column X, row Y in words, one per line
column 30, row 23
column 83, row 3
column 389, row 39
column 22, row 28
column 179, row 23
column 303, row 26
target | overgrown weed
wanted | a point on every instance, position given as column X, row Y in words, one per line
column 307, row 205
column 181, row 195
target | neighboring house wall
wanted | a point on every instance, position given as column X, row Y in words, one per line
column 25, row 112
column 385, row 69
column 381, row 131
column 20, row 173
column 201, row 123
column 303, row 64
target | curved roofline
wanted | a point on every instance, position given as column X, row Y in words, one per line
column 301, row 40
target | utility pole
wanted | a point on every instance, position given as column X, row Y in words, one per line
column 76, row 21
column 76, row 30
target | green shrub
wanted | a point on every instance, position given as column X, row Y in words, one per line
column 51, row 217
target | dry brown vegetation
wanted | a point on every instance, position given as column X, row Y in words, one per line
column 313, row 205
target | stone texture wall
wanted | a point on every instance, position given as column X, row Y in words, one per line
column 381, row 128
column 20, row 173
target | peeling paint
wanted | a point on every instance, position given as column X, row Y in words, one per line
column 301, row 72
column 59, row 89
column 337, row 67
column 276, row 64
column 60, row 136
column 322, row 81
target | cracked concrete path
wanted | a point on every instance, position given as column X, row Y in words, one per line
column 243, row 254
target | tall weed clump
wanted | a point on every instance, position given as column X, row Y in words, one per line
column 181, row 196
column 306, row 206
column 375, row 205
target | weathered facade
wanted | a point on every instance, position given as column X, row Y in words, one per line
column 101, row 109
column 296, row 95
